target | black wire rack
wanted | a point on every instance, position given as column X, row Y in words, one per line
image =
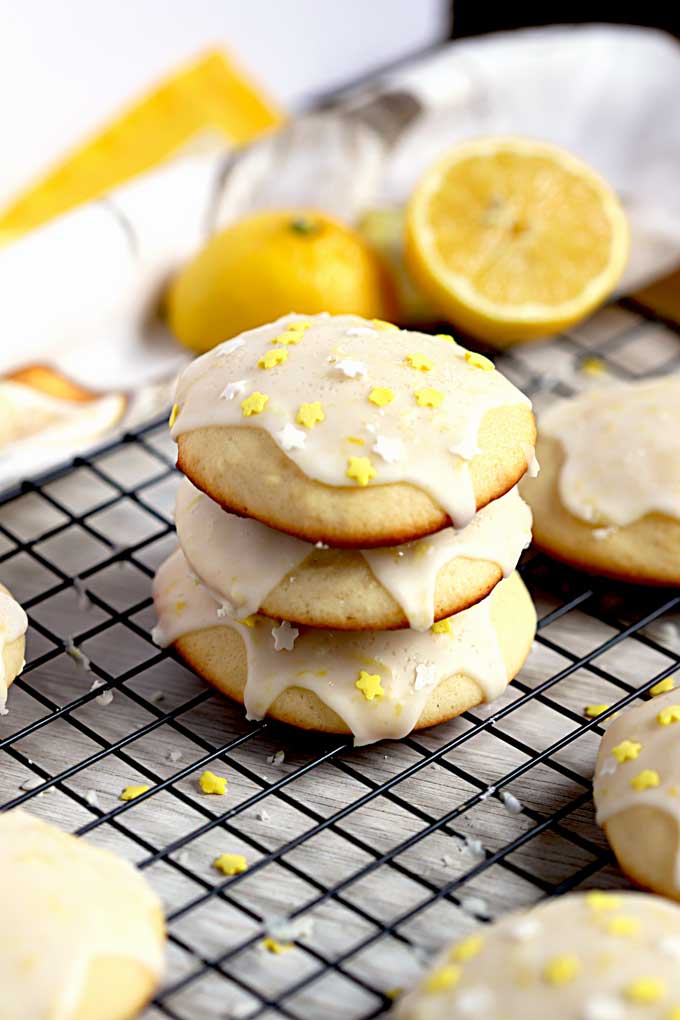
column 370, row 857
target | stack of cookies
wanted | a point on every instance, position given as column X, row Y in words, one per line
column 349, row 526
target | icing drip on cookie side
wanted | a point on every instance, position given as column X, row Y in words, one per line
column 639, row 762
column 621, row 451
column 13, row 624
column 241, row 561
column 406, row 406
column 403, row 667
column 51, row 885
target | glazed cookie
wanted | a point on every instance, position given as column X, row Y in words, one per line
column 590, row 956
column 340, row 430
column 82, row 933
column 608, row 496
column 250, row 568
column 637, row 792
column 13, row 625
column 373, row 684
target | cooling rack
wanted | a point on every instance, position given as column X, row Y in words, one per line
column 365, row 860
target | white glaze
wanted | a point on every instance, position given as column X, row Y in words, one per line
column 13, row 624
column 328, row 662
column 65, row 904
column 241, row 561
column 436, row 443
column 621, row 451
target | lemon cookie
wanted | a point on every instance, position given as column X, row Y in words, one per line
column 250, row 568
column 608, row 496
column 13, row 625
column 587, row 956
column 340, row 430
column 637, row 792
column 373, row 684
column 81, row 931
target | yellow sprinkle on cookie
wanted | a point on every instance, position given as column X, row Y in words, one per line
column 600, row 901
column 270, row 359
column 130, row 792
column 210, row 783
column 254, row 404
column 592, row 711
column 623, row 925
column 441, row 627
column 645, row 991
column 427, row 397
column 663, row 686
column 273, row 946
column 381, row 396
column 420, row 362
column 645, row 780
column 668, row 715
column 466, row 949
column 593, row 366
column 369, row 685
column 360, row 470
column 356, row 440
column 248, row 621
column 673, row 1013
column 173, row 415
column 447, row 337
column 627, row 750
column 231, row 864
column 561, row 969
column 384, row 326
column 299, row 326
column 479, row 361
column 443, row 979
column 287, row 339
column 310, row 415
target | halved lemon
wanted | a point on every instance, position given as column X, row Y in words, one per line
column 515, row 239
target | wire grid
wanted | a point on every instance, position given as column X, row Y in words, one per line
column 376, row 855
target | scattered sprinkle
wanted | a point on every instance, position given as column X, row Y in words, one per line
column 157, row 698
column 173, row 415
column 357, row 440
column 645, row 780
column 262, row 815
column 369, row 685
column 360, row 470
column 420, row 362
column 92, row 799
column 645, row 991
column 131, row 792
column 384, row 326
column 601, row 901
column 254, row 404
column 475, row 906
column 445, row 336
column 290, row 438
column 75, row 653
column 210, row 783
column 669, row 945
column 601, row 533
column 360, row 331
column 475, row 846
column 174, row 756
column 592, row 711
column 381, row 396
column 233, row 389
column 248, row 621
column 277, row 758
column 489, row 792
column 475, row 1002
column 391, row 450
column 479, row 361
column 561, row 969
column 426, row 676
column 270, row 359
column 441, row 627
column 427, row 397
column 526, row 928
column 467, row 949
column 593, row 366
column 310, row 415
column 352, row 369
column 602, row 1007
column 443, row 979
column 273, row 946
column 231, row 864
column 627, row 750
column 34, row 783
column 284, row 636
column 668, row 715
column 511, row 803
column 663, row 686
column 623, row 926
column 287, row 339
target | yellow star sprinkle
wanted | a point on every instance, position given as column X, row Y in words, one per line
column 645, row 991
column 600, row 901
column 419, row 362
column 466, row 949
column 443, row 979
column 272, row 358
column 663, row 686
column 479, row 361
column 593, row 366
column 445, row 336
column 287, row 339
column 627, row 750
column 561, row 969
column 441, row 627
column 231, row 864
column 360, row 470
column 357, row 440
column 130, row 792
column 623, row 925
column 645, row 780
column 310, row 415
column 298, row 326
column 384, row 326
column 381, row 396
column 254, row 404
column 272, row 946
column 668, row 715
column 673, row 1013
column 592, row 711
column 173, row 415
column 210, row 783
column 428, row 397
column 247, row 621
column 369, row 685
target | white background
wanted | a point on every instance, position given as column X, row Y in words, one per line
column 66, row 65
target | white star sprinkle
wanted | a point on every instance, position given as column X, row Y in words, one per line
column 669, row 945
column 391, row 450
column 526, row 928
column 228, row 347
column 426, row 676
column 291, row 438
column 233, row 389
column 602, row 1007
column 352, row 369
column 284, row 636
column 474, row 1002
column 361, row 331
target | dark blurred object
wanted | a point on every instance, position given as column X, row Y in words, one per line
column 472, row 18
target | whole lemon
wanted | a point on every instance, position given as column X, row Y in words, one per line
column 270, row 264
